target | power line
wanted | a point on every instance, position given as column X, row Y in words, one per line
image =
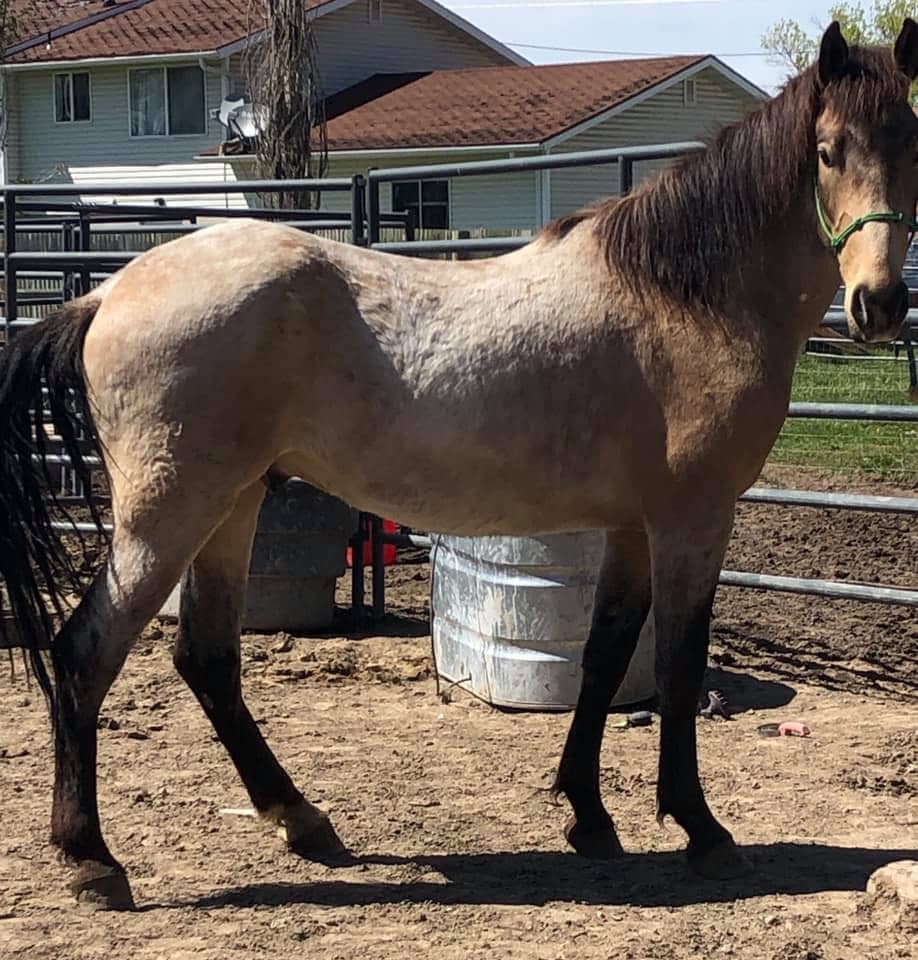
column 627, row 53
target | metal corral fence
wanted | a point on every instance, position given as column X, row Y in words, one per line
column 81, row 259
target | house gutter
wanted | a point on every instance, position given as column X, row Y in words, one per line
column 390, row 152
column 82, row 62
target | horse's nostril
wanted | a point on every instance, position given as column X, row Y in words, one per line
column 860, row 307
column 879, row 310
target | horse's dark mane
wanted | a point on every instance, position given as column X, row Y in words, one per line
column 683, row 231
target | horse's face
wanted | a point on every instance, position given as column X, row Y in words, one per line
column 867, row 181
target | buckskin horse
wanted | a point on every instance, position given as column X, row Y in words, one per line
column 628, row 370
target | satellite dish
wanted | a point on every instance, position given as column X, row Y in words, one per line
column 227, row 108
column 241, row 119
column 247, row 120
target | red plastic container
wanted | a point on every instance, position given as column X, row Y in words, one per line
column 389, row 552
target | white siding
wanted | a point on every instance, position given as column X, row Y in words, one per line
column 504, row 202
column 507, row 201
column 658, row 119
column 11, row 105
column 408, row 38
column 102, row 149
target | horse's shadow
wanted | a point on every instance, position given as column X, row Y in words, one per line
column 536, row 878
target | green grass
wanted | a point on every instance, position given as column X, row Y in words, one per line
column 889, row 450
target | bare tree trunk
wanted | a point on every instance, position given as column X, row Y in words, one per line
column 282, row 75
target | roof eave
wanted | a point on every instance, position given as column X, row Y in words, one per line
column 240, row 43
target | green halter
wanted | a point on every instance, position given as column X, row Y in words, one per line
column 838, row 240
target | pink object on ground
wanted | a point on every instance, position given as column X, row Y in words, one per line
column 791, row 728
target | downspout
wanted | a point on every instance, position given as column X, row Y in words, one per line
column 221, row 69
column 4, row 125
column 545, row 192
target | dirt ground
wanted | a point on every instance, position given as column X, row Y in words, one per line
column 458, row 844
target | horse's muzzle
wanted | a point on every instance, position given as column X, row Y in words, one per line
column 877, row 315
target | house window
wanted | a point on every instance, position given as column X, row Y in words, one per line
column 374, row 10
column 71, row 98
column 428, row 199
column 689, row 93
column 167, row 102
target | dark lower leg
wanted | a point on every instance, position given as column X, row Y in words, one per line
column 84, row 672
column 679, row 791
column 686, row 569
column 622, row 603
column 207, row 657
column 210, row 666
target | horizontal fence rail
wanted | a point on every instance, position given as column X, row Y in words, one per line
column 184, row 188
column 551, row 161
column 28, row 208
column 875, row 412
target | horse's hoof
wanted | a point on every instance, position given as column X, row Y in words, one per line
column 319, row 842
column 101, row 886
column 725, row 861
column 593, row 844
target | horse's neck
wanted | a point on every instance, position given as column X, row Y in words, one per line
column 794, row 278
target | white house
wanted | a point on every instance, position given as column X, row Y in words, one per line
column 129, row 91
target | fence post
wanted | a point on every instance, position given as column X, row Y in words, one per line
column 379, row 570
column 358, row 187
column 372, row 208
column 67, row 245
column 9, row 228
column 85, row 244
column 357, row 590
column 912, row 365
column 626, row 176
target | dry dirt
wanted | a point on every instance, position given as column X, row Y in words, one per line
column 458, row 844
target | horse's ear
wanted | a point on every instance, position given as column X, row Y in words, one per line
column 906, row 49
column 833, row 54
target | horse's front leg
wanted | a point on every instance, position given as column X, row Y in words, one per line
column 619, row 611
column 686, row 558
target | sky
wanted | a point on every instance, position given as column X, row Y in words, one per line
column 607, row 29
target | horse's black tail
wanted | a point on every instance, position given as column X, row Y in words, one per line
column 38, row 570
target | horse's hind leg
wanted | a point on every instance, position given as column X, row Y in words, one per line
column 207, row 657
column 87, row 655
column 620, row 609
column 686, row 562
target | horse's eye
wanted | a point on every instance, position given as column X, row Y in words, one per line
column 825, row 157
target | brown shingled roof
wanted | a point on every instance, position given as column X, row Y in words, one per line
column 132, row 29
column 489, row 105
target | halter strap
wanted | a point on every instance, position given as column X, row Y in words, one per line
column 838, row 240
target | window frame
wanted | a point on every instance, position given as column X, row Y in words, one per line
column 689, row 92
column 448, row 203
column 374, row 11
column 71, row 74
column 163, row 68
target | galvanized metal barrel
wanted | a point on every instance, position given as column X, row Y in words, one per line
column 299, row 551
column 510, row 617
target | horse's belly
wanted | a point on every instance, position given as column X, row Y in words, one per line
column 457, row 494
